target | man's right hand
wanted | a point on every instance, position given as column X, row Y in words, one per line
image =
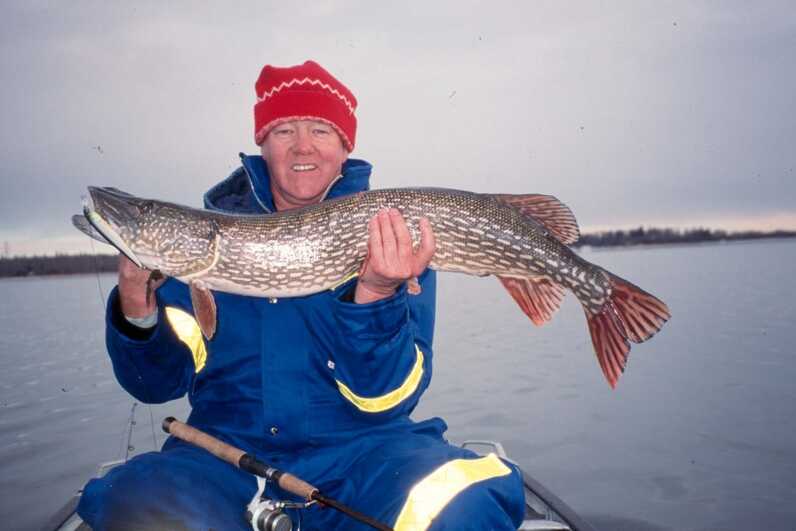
column 133, row 289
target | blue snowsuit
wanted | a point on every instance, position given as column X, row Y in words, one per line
column 317, row 386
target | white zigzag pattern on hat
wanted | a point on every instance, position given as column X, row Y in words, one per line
column 317, row 82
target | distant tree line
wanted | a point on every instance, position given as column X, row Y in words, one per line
column 642, row 236
column 60, row 264
column 68, row 264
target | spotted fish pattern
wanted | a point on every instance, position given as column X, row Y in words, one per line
column 521, row 239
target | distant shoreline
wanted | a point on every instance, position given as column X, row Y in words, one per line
column 59, row 264
column 75, row 264
column 655, row 236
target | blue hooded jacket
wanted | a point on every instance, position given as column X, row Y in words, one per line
column 288, row 374
column 316, row 385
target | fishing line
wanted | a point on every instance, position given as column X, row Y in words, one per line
column 130, row 446
column 103, row 298
column 128, row 429
column 121, row 440
column 96, row 272
column 152, row 425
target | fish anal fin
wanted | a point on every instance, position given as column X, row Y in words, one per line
column 538, row 297
column 204, row 308
column 548, row 211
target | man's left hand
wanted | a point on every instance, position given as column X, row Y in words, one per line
column 391, row 258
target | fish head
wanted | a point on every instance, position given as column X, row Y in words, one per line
column 173, row 239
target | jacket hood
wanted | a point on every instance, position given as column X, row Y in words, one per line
column 248, row 189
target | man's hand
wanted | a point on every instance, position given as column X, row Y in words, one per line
column 133, row 289
column 391, row 259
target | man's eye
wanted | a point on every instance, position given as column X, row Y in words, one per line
column 321, row 131
column 283, row 132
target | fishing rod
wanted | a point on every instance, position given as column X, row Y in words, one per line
column 249, row 463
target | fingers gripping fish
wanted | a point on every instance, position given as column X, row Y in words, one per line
column 521, row 239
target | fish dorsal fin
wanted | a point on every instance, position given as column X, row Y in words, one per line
column 548, row 211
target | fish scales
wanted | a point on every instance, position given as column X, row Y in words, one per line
column 521, row 239
column 317, row 247
column 300, row 252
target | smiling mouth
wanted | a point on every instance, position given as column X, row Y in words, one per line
column 303, row 167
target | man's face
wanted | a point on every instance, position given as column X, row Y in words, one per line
column 303, row 158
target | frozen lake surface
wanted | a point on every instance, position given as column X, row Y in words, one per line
column 700, row 434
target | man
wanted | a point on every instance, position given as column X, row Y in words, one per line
column 320, row 386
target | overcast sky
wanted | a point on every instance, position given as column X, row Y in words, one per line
column 633, row 113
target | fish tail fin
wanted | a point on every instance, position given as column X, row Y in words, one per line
column 630, row 314
column 538, row 297
column 641, row 313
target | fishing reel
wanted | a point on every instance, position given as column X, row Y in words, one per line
column 265, row 514
column 269, row 515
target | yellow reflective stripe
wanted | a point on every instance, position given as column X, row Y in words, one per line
column 391, row 399
column 188, row 331
column 435, row 491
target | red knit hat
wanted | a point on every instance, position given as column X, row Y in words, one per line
column 303, row 92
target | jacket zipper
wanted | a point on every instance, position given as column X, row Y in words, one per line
column 251, row 183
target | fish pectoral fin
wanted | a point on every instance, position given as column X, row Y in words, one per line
column 538, row 297
column 204, row 308
column 548, row 211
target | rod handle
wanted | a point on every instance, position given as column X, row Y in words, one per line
column 251, row 464
column 218, row 448
column 285, row 480
column 297, row 486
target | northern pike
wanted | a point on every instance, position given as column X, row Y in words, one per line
column 521, row 239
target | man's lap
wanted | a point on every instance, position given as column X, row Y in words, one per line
column 187, row 484
column 182, row 484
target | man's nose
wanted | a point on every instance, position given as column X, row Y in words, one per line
column 303, row 143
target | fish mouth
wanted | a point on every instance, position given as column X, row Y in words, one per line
column 118, row 208
column 110, row 212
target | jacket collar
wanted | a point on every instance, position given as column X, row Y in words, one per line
column 248, row 189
